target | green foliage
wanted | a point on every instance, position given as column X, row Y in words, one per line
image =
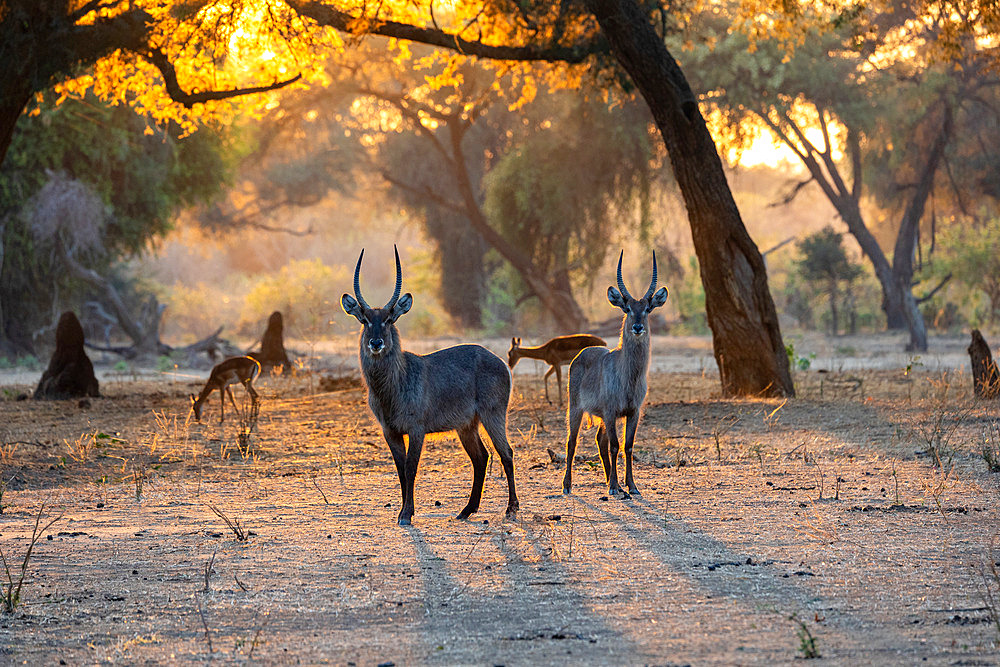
column 141, row 174
column 968, row 251
column 566, row 189
column 306, row 291
column 798, row 362
column 688, row 297
column 824, row 266
column 824, row 259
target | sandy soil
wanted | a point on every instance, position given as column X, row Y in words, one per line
column 761, row 524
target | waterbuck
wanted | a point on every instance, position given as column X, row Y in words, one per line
column 611, row 384
column 556, row 352
column 456, row 388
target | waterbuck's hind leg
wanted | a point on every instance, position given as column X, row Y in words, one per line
column 495, row 424
column 573, row 424
column 602, row 448
column 477, row 452
column 631, row 423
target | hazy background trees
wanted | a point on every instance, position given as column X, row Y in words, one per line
column 508, row 183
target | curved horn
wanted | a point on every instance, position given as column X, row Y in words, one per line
column 357, row 283
column 399, row 281
column 652, row 283
column 621, row 283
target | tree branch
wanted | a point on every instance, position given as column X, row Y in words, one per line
column 927, row 297
column 327, row 16
column 159, row 59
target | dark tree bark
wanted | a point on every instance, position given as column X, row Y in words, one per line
column 985, row 376
column 745, row 332
column 70, row 373
column 272, row 345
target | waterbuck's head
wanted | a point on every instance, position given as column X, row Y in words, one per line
column 378, row 335
column 636, row 310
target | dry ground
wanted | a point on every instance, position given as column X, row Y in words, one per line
column 761, row 524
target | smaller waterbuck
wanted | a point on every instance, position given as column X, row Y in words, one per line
column 611, row 384
column 456, row 388
column 556, row 352
column 236, row 369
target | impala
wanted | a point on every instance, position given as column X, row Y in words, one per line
column 236, row 369
column 557, row 352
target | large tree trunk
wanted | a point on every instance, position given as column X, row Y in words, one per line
column 745, row 332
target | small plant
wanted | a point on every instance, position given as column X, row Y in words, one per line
column 239, row 530
column 991, row 447
column 208, row 572
column 10, row 592
column 7, row 451
column 121, row 366
column 990, row 575
column 28, row 362
column 796, row 361
column 247, row 424
column 165, row 364
column 807, row 642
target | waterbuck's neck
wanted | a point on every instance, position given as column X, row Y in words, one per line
column 633, row 354
column 383, row 373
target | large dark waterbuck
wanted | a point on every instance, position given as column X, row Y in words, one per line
column 454, row 389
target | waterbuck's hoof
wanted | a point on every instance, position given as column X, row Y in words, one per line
column 465, row 514
column 405, row 520
column 566, row 490
column 634, row 491
column 511, row 513
column 625, row 496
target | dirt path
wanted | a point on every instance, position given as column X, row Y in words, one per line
column 743, row 539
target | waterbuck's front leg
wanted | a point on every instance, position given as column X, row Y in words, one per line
column 631, row 424
column 574, row 419
column 476, row 450
column 413, row 450
column 398, row 450
column 612, row 427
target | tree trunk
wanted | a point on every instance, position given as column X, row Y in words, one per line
column 833, row 307
column 985, row 377
column 560, row 304
column 745, row 333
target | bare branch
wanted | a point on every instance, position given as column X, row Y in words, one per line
column 937, row 288
column 159, row 59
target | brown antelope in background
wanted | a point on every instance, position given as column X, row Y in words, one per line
column 557, row 352
column 456, row 388
column 236, row 369
column 611, row 384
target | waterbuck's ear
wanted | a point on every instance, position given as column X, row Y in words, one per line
column 351, row 307
column 616, row 298
column 402, row 306
column 658, row 299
